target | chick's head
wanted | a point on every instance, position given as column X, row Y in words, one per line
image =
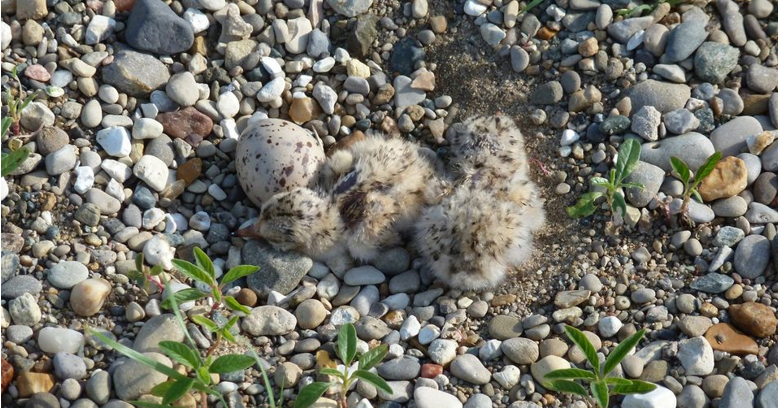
column 292, row 220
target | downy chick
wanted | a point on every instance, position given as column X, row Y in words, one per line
column 477, row 234
column 370, row 195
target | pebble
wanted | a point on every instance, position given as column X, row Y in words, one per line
column 752, row 256
column 269, row 320
column 159, row 328
column 66, row 274
column 363, row 275
column 152, row 171
column 737, row 393
column 56, row 339
column 426, row 397
column 133, row 379
column 696, row 356
column 69, row 366
column 661, row 397
column 469, row 368
column 520, row 350
column 87, row 297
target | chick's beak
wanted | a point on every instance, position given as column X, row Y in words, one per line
column 252, row 231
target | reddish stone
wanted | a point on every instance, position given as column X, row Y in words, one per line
column 188, row 124
column 124, row 5
column 431, row 370
column 37, row 72
column 8, row 373
column 724, row 337
column 754, row 318
column 190, row 171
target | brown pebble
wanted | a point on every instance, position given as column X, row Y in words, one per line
column 246, row 297
column 754, row 318
column 724, row 337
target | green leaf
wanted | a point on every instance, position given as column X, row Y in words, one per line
column 227, row 335
column 193, row 271
column 238, row 272
column 181, row 353
column 231, row 322
column 139, row 262
column 233, row 304
column 629, row 155
column 570, row 387
column 310, row 393
column 182, row 296
column 373, row 379
column 331, row 371
column 156, row 270
column 638, row 186
column 681, row 169
column 622, row 350
column 205, row 263
column 6, row 124
column 600, row 393
column 585, row 205
column 203, row 375
column 27, row 101
column 265, row 379
column 707, row 168
column 161, row 389
column 619, row 203
column 177, row 390
column 571, row 374
column 617, row 381
column 373, row 357
column 697, row 195
column 143, row 359
column 580, row 340
column 530, row 6
column 205, row 322
column 635, row 387
column 347, row 343
column 599, row 181
column 231, row 362
column 13, row 160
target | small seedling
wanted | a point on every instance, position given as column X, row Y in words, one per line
column 145, row 276
column 16, row 105
column 600, row 384
column 201, row 367
column 627, row 160
column 204, row 272
column 347, row 373
column 683, row 173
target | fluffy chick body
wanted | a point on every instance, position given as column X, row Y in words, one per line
column 370, row 195
column 477, row 234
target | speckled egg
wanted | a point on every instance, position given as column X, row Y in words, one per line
column 275, row 155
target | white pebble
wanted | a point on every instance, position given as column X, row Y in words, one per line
column 474, row 8
column 228, row 104
column 569, row 137
column 115, row 141
column 324, row 65
column 216, row 192
column 197, row 19
column 272, row 67
column 85, row 178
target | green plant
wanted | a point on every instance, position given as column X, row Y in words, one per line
column 204, row 272
column 627, row 160
column 600, row 384
column 346, row 374
column 16, row 105
column 530, row 6
column 690, row 187
column 200, row 367
column 639, row 10
column 145, row 276
column 12, row 161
